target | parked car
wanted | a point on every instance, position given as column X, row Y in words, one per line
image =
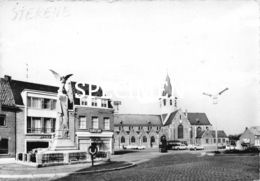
column 141, row 147
column 180, row 147
column 196, row 147
column 221, row 146
column 134, row 147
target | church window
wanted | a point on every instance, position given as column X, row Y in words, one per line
column 180, row 131
column 198, row 130
column 132, row 139
column 122, row 139
column 144, row 139
column 152, row 139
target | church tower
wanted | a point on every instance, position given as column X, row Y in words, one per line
column 168, row 101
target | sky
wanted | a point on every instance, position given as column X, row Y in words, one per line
column 128, row 47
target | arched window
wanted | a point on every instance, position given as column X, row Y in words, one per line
column 191, row 132
column 144, row 139
column 180, row 131
column 152, row 139
column 198, row 130
column 132, row 139
column 122, row 139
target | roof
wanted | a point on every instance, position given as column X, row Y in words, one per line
column 85, row 88
column 171, row 117
column 6, row 95
column 198, row 119
column 137, row 120
column 221, row 134
column 255, row 130
column 18, row 86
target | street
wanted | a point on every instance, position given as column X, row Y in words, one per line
column 175, row 165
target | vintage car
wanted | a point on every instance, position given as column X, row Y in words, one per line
column 196, row 147
column 180, row 147
column 134, row 147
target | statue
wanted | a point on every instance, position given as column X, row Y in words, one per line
column 62, row 120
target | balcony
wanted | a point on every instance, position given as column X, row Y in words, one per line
column 40, row 130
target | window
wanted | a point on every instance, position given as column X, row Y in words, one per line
column 223, row 140
column 180, row 131
column 144, row 139
column 207, row 140
column 164, row 102
column 104, row 103
column 132, row 139
column 82, row 123
column 4, row 146
column 40, row 125
column 170, row 102
column 191, row 133
column 152, row 139
column 214, row 140
column 122, row 139
column 40, row 103
column 129, row 128
column 219, row 140
column 119, row 128
column 94, row 102
column 198, row 130
column 95, row 122
column 158, row 128
column 84, row 101
column 207, row 128
column 175, row 103
column 106, row 123
column 2, row 120
column 180, row 116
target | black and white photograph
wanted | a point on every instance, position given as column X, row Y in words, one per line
column 138, row 90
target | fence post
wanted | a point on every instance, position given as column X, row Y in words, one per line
column 24, row 157
column 66, row 157
column 39, row 158
column 29, row 157
column 108, row 156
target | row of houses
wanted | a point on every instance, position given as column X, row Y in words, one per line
column 28, row 120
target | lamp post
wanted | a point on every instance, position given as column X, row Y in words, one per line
column 215, row 101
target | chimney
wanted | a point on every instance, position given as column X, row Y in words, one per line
column 8, row 78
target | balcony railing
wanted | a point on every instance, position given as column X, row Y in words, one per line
column 40, row 130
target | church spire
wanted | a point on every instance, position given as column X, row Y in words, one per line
column 167, row 87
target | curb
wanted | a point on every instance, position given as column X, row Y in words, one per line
column 66, row 174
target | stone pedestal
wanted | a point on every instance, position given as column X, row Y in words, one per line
column 60, row 144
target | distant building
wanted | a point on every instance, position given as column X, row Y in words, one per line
column 147, row 130
column 208, row 137
column 250, row 137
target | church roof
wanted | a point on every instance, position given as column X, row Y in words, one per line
column 171, row 117
column 137, row 120
column 198, row 119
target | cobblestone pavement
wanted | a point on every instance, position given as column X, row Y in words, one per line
column 176, row 166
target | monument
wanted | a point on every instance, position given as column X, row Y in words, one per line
column 62, row 139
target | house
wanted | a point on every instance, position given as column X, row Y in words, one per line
column 8, row 111
column 93, row 119
column 250, row 137
column 208, row 137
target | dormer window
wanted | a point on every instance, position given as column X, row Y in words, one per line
column 94, row 102
column 103, row 103
column 84, row 101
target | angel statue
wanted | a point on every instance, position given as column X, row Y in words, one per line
column 62, row 124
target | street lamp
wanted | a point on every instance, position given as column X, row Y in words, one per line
column 215, row 101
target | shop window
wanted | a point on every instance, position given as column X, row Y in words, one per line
column 95, row 122
column 4, row 146
column 2, row 120
column 145, row 139
column 122, row 139
column 152, row 139
column 180, row 131
column 106, row 123
column 82, row 123
column 132, row 139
